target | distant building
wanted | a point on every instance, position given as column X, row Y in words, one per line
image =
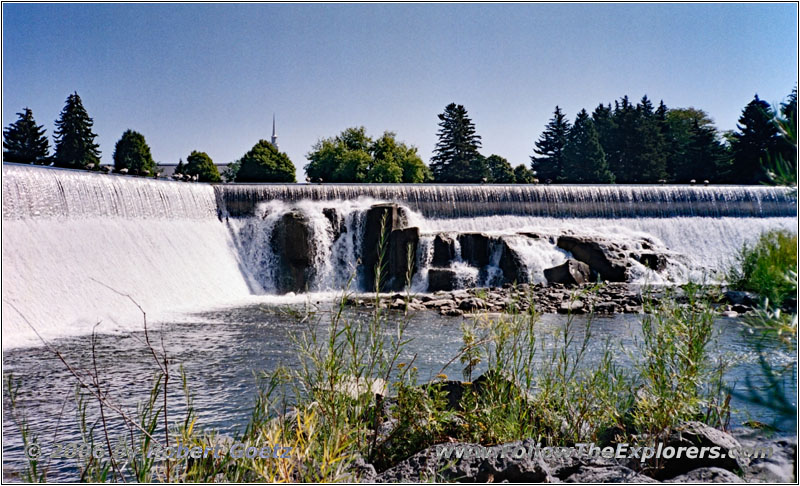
column 167, row 169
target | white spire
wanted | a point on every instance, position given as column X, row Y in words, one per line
column 274, row 135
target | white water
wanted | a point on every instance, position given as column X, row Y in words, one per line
column 172, row 247
column 64, row 232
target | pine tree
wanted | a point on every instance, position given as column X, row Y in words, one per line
column 24, row 141
column 754, row 143
column 456, row 157
column 180, row 168
column 75, row 147
column 132, row 152
column 707, row 157
column 584, row 159
column 550, row 147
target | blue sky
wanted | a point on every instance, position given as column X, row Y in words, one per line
column 208, row 77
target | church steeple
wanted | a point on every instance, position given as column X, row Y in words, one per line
column 274, row 133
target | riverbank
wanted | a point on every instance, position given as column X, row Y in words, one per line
column 600, row 299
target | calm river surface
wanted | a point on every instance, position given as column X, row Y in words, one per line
column 223, row 352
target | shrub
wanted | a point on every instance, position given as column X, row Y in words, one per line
column 264, row 163
column 767, row 267
column 200, row 164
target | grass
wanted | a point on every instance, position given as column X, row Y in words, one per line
column 768, row 268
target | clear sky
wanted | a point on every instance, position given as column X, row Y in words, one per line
column 209, row 77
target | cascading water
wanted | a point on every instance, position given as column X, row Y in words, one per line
column 66, row 233
column 177, row 246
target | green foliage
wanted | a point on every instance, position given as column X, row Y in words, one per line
column 264, row 163
column 353, row 156
column 584, row 159
column 523, row 175
column 132, row 152
column 756, row 141
column 200, row 164
column 766, row 267
column 25, row 142
column 75, row 147
column 550, row 147
column 456, row 157
column 678, row 380
column 500, row 170
column 695, row 149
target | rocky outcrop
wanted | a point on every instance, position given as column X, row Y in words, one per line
column 402, row 257
column 706, row 475
column 701, row 435
column 441, row 279
column 511, row 263
column 606, row 258
column 651, row 260
column 337, row 224
column 389, row 221
column 294, row 248
column 444, row 251
column 571, row 272
column 475, row 248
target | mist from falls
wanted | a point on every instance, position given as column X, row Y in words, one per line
column 178, row 247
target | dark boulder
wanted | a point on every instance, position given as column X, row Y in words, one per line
column 336, row 221
column 571, row 272
column 441, row 279
column 294, row 248
column 402, row 252
column 514, row 269
column 475, row 248
column 444, row 251
column 388, row 221
column 653, row 261
column 707, row 475
column 605, row 257
column 699, row 435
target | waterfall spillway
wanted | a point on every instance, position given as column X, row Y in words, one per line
column 66, row 234
column 466, row 200
column 178, row 246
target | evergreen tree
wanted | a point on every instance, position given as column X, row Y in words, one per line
column 694, row 148
column 24, row 141
column 606, row 127
column 500, row 171
column 788, row 124
column 75, row 147
column 707, row 157
column 180, row 168
column 584, row 159
column 640, row 150
column 456, row 157
column 132, row 152
column 200, row 164
column 754, row 144
column 550, row 147
column 264, row 163
column 523, row 175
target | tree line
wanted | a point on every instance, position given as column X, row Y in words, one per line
column 620, row 143
column 25, row 142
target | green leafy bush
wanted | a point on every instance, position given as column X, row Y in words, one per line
column 766, row 267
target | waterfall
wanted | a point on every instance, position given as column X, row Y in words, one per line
column 567, row 201
column 178, row 247
column 65, row 231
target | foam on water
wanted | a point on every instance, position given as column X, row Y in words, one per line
column 185, row 247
